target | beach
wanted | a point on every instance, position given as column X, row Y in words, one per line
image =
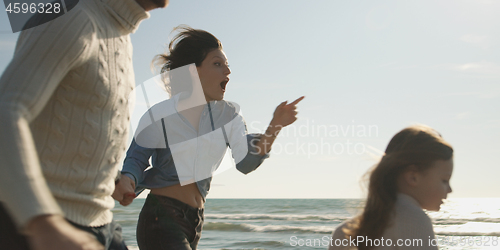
column 462, row 223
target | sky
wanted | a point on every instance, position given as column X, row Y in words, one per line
column 367, row 68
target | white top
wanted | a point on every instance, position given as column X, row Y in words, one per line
column 409, row 226
column 181, row 154
column 64, row 113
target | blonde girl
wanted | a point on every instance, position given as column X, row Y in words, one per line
column 413, row 175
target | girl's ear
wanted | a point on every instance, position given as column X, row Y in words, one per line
column 411, row 176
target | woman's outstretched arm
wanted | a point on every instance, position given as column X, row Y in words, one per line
column 284, row 115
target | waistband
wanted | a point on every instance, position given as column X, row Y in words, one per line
column 164, row 200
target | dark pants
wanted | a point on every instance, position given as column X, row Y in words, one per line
column 166, row 223
column 110, row 235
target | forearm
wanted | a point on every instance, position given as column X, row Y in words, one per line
column 284, row 115
column 267, row 139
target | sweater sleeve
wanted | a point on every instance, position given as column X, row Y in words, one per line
column 43, row 57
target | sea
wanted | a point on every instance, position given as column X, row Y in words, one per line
column 462, row 223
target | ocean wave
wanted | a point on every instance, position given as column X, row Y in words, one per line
column 222, row 226
column 453, row 221
column 469, row 233
column 469, row 229
column 287, row 217
column 465, row 229
column 265, row 244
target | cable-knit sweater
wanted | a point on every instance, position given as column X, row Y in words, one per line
column 409, row 228
column 64, row 113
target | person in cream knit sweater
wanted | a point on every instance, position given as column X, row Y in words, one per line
column 64, row 125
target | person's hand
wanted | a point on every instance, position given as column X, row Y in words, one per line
column 124, row 191
column 285, row 114
column 49, row 232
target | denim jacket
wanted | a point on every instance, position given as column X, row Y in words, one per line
column 180, row 154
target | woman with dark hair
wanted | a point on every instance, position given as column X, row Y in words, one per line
column 413, row 174
column 192, row 140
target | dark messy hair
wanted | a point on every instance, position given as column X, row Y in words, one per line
column 187, row 47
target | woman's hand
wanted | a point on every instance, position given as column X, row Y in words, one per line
column 124, row 191
column 285, row 114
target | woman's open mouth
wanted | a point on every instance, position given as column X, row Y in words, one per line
column 223, row 85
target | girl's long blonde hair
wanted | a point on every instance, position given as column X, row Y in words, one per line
column 417, row 145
